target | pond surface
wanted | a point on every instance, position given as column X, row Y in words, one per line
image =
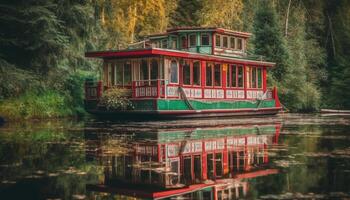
column 283, row 157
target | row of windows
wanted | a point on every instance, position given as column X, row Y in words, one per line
column 119, row 73
column 185, row 42
column 191, row 41
column 229, row 42
column 191, row 73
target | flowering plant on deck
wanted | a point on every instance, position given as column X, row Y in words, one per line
column 116, row 99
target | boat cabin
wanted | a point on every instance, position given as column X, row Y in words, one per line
column 186, row 63
column 214, row 41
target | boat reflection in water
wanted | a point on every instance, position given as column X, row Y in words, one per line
column 207, row 163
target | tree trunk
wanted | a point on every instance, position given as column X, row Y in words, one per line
column 287, row 19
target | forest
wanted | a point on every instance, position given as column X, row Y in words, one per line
column 42, row 45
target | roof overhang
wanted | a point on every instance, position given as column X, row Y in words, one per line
column 199, row 29
column 134, row 53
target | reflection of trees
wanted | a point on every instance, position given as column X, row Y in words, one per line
column 303, row 173
column 44, row 159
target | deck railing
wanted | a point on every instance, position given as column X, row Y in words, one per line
column 149, row 88
column 93, row 90
column 158, row 88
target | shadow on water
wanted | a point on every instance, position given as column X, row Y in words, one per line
column 284, row 157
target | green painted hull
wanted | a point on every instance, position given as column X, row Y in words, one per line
column 178, row 108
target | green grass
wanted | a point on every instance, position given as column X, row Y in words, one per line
column 31, row 105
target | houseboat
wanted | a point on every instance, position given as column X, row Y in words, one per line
column 184, row 72
column 211, row 163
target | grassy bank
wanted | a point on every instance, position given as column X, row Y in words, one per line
column 27, row 95
column 34, row 105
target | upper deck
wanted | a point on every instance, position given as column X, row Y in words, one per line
column 205, row 40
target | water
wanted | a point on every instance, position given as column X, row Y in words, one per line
column 284, row 157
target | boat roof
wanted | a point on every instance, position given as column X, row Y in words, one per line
column 134, row 53
column 200, row 29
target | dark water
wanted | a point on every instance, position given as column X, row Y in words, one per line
column 284, row 157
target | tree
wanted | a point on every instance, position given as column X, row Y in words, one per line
column 338, row 53
column 186, row 13
column 221, row 13
column 269, row 41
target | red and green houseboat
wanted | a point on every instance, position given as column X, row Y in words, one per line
column 186, row 72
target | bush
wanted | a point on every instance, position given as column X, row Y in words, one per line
column 46, row 104
column 116, row 99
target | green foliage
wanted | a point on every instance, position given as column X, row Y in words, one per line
column 338, row 54
column 186, row 13
column 269, row 41
column 15, row 81
column 47, row 104
column 116, row 99
column 298, row 55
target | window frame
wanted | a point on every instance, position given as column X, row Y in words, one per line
column 239, row 43
column 205, row 34
column 184, row 42
column 192, row 73
column 173, row 39
column 229, row 76
column 211, row 74
column 177, row 66
column 212, row 71
column 223, row 42
column 185, row 62
column 189, row 40
column 217, row 86
column 191, row 63
column 164, row 41
column 234, row 42
column 256, row 68
column 217, row 40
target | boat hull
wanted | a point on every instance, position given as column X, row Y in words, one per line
column 159, row 108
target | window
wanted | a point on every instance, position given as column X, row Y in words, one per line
column 127, row 73
column 193, row 42
column 239, row 44
column 154, row 69
column 232, row 76
column 109, row 73
column 217, row 75
column 224, row 42
column 174, row 72
column 144, row 70
column 213, row 74
column 196, row 76
column 240, row 77
column 191, row 73
column 209, row 74
column 186, row 73
column 119, row 74
column 232, row 42
column 254, row 77
column 217, row 41
column 165, row 44
column 173, row 42
column 235, row 76
column 205, row 39
column 183, row 42
column 259, row 78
